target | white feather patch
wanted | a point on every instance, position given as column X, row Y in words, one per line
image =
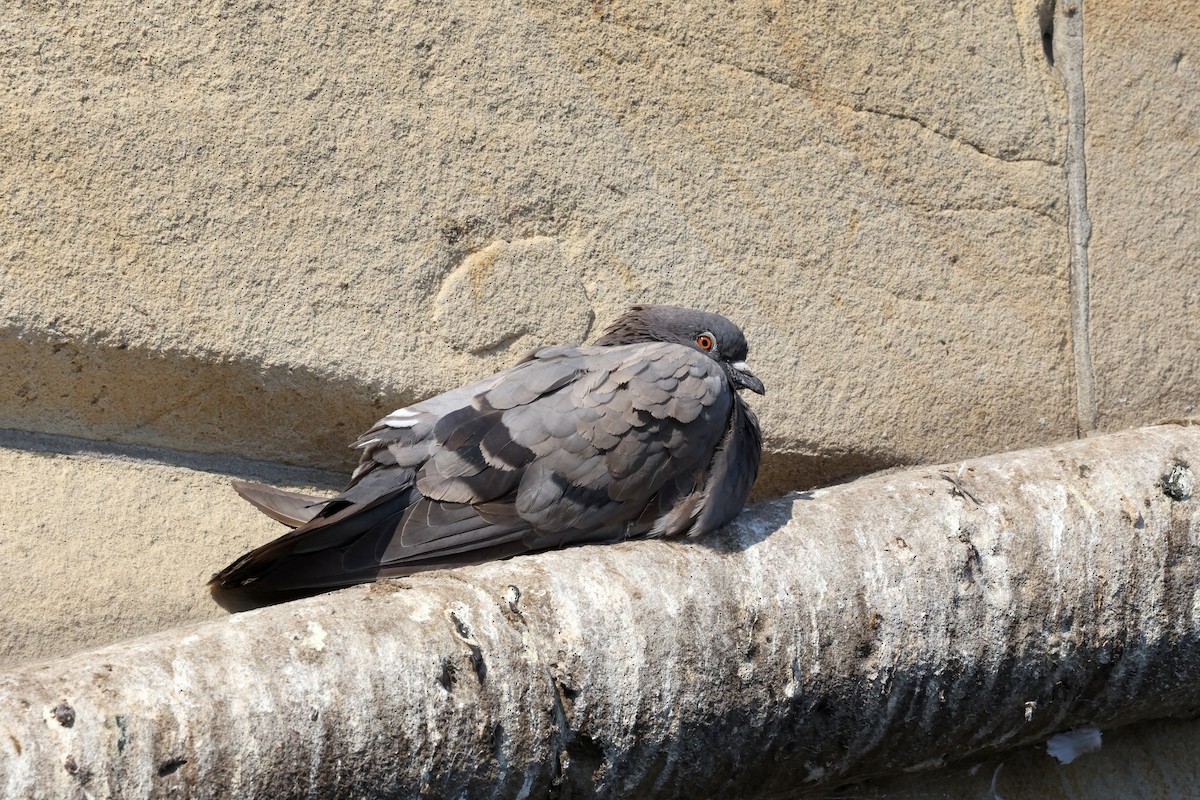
column 1068, row 746
column 402, row 418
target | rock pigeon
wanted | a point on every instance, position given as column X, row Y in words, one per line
column 642, row 434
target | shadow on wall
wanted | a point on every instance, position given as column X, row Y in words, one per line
column 214, row 404
column 781, row 473
column 206, row 404
column 214, row 463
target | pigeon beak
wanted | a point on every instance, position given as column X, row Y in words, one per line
column 743, row 378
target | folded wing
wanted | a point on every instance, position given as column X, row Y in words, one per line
column 572, row 445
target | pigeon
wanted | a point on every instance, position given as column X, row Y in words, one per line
column 641, row 434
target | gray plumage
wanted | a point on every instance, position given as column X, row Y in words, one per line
column 642, row 434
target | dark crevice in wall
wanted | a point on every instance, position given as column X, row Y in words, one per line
column 1045, row 15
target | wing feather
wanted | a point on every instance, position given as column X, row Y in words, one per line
column 571, row 445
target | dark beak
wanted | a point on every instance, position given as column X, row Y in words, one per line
column 743, row 378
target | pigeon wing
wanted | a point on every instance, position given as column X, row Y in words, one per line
column 571, row 445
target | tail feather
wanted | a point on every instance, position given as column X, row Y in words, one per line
column 291, row 508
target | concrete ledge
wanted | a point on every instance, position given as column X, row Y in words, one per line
column 895, row 623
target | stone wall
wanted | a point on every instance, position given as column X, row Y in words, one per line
column 234, row 234
column 252, row 230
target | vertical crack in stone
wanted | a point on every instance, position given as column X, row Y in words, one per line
column 1067, row 51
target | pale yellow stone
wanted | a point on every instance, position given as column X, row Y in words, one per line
column 502, row 290
column 1143, row 158
column 255, row 231
column 102, row 543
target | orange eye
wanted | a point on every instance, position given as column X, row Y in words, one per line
column 705, row 341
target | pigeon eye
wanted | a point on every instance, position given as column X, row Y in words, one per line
column 705, row 341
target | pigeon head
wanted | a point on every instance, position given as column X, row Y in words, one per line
column 711, row 334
